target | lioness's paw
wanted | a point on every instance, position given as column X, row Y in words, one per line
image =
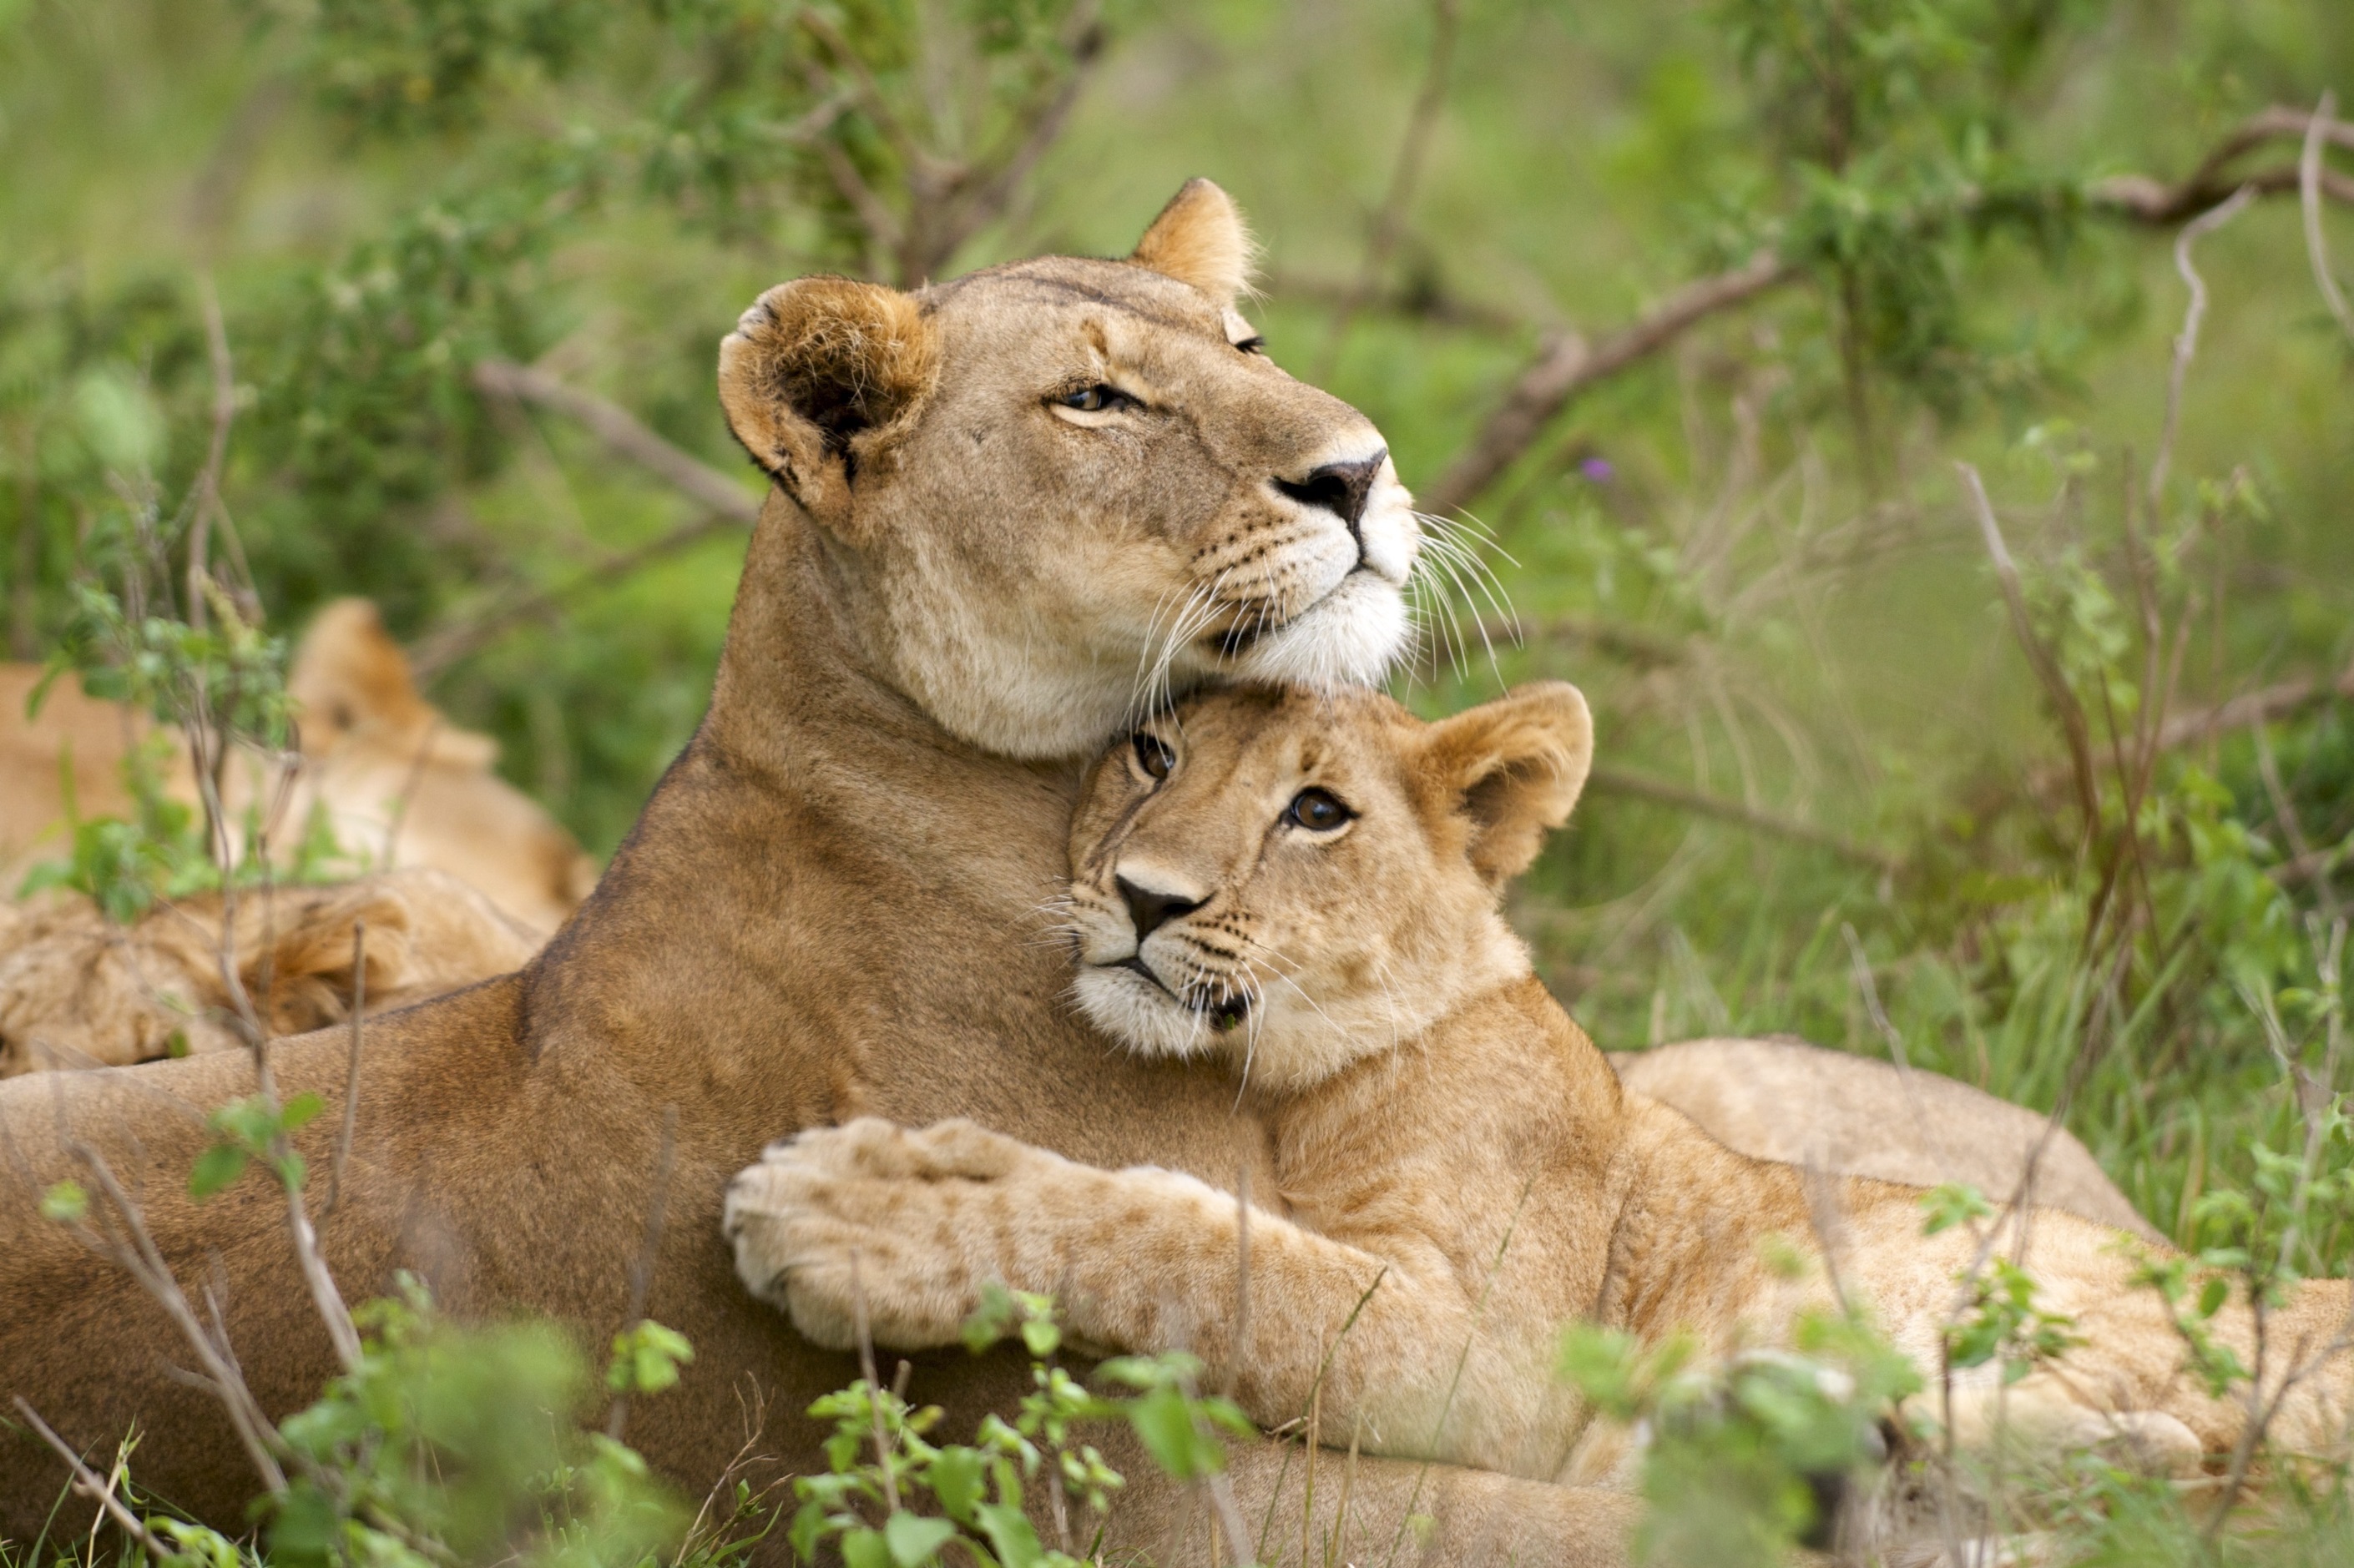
column 2039, row 1421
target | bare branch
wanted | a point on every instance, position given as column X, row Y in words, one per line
column 1635, row 786
column 624, row 434
column 208, row 496
column 1389, row 218
column 641, row 1267
column 1568, row 364
column 2069, row 712
column 1418, row 299
column 2186, row 343
column 2308, row 181
column 2144, row 199
column 352, row 1072
column 88, row 1482
column 440, row 649
column 986, row 191
column 1634, row 645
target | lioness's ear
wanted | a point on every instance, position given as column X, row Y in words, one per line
column 1200, row 239
column 1515, row 767
column 818, row 376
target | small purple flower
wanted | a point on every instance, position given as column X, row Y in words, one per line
column 1598, row 470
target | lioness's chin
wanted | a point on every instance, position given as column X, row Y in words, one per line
column 1348, row 638
column 1140, row 1015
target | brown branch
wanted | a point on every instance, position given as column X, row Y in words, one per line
column 1418, row 299
column 1389, row 218
column 2064, row 705
column 2147, row 200
column 726, row 505
column 622, row 434
column 641, row 1267
column 1568, row 362
column 352, row 1072
column 2309, row 171
column 207, row 496
column 1637, row 786
column 439, row 649
column 88, row 1482
column 2186, row 343
column 2264, row 705
column 1629, row 644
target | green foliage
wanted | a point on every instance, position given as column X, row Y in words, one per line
column 449, row 1443
column 881, row 1462
column 1738, row 1450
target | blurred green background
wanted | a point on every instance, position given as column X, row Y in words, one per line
column 1832, row 759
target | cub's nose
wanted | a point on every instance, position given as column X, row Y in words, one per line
column 1340, row 487
column 1150, row 910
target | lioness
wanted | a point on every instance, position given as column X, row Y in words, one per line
column 79, row 991
column 1007, row 510
column 400, row 784
column 1304, row 888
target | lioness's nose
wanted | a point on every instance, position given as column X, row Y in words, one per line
column 1340, row 487
column 1150, row 910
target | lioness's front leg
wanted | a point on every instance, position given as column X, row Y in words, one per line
column 1141, row 1260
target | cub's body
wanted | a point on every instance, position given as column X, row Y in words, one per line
column 1308, row 887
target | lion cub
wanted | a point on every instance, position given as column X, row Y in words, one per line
column 1307, row 886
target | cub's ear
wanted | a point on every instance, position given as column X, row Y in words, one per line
column 821, row 375
column 1200, row 239
column 1514, row 769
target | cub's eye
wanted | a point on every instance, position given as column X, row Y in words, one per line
column 1317, row 810
column 1095, row 399
column 1253, row 345
column 1152, row 755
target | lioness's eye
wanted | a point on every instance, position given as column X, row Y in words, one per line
column 1317, row 810
column 1095, row 399
column 1152, row 755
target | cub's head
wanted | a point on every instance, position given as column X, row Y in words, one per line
column 1299, row 879
column 1061, row 490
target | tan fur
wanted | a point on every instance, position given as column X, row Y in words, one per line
column 77, row 991
column 1799, row 1103
column 390, row 771
column 1200, row 239
column 1462, row 1186
column 829, row 909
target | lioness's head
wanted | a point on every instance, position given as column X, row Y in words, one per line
column 1300, row 879
column 1061, row 490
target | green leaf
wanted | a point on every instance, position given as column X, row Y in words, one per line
column 913, row 1540
column 2213, row 1294
column 1010, row 1532
column 1165, row 1420
column 1041, row 1336
column 866, row 1549
column 959, row 1477
column 215, row 1168
column 66, row 1203
column 301, row 1111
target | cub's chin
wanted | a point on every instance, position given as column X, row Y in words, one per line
column 1140, row 1016
column 1351, row 637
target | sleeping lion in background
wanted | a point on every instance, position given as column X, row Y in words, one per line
column 1306, row 888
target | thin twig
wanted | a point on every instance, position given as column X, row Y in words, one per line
column 209, row 478
column 2186, row 343
column 87, row 1482
column 1389, row 218
column 2069, row 712
column 351, row 1075
column 1605, row 780
column 873, row 1386
column 641, row 1267
column 622, row 434
column 2309, row 189
column 1567, row 364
